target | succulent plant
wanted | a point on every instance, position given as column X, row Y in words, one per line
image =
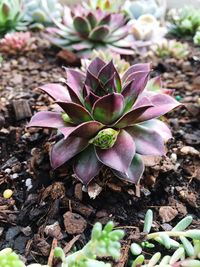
column 171, row 48
column 185, row 254
column 39, row 13
column 11, row 16
column 105, row 5
column 16, row 42
column 185, row 21
column 137, row 8
column 96, row 107
column 121, row 64
column 85, row 30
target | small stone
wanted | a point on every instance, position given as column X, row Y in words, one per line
column 74, row 223
column 7, row 193
column 167, row 213
column 189, row 150
column 26, row 230
column 14, row 176
column 8, row 171
column 12, row 232
column 54, row 231
column 173, row 157
column 28, row 183
column 1, row 231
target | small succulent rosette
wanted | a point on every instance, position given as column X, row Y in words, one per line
column 146, row 30
column 82, row 30
column 17, row 43
column 107, row 120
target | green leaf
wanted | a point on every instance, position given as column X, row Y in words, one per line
column 138, row 261
column 136, row 249
column 82, row 26
column 148, row 221
column 188, row 246
column 178, row 254
column 183, row 224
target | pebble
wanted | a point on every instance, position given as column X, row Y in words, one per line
column 74, row 223
column 28, row 183
column 189, row 150
column 173, row 157
column 12, row 232
column 8, row 171
column 14, row 176
column 7, row 193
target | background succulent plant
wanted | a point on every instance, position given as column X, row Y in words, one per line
column 121, row 64
column 16, row 42
column 137, row 8
column 105, row 5
column 98, row 106
column 171, row 48
column 39, row 13
column 85, row 30
column 185, row 21
column 11, row 16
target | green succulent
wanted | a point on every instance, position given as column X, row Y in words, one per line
column 171, row 48
column 11, row 16
column 41, row 13
column 185, row 21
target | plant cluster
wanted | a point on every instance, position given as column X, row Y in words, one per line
column 185, row 22
column 105, row 242
column 16, row 42
column 82, row 31
column 171, row 48
column 106, row 120
column 186, row 252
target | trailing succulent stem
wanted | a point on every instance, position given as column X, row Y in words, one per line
column 186, row 251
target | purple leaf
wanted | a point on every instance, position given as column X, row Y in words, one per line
column 99, row 33
column 90, row 99
column 134, row 88
column 92, row 81
column 56, row 91
column 105, row 20
column 120, row 50
column 162, row 104
column 134, row 172
column 86, row 165
column 107, row 72
column 108, row 108
column 118, row 157
column 130, row 117
column 77, row 113
column 47, row 119
column 75, row 80
column 160, row 127
column 147, row 141
column 66, row 149
column 95, row 66
column 146, row 67
column 85, row 130
column 92, row 19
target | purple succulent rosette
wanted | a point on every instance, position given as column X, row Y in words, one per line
column 107, row 120
column 81, row 31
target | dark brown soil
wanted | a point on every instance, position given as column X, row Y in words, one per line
column 170, row 186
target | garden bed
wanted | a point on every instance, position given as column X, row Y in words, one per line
column 32, row 221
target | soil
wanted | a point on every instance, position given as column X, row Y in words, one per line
column 52, row 208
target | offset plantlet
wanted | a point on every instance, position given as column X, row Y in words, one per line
column 39, row 13
column 17, row 42
column 11, row 16
column 185, row 22
column 121, row 64
column 105, row 242
column 111, row 121
column 82, row 30
column 171, row 48
column 186, row 251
